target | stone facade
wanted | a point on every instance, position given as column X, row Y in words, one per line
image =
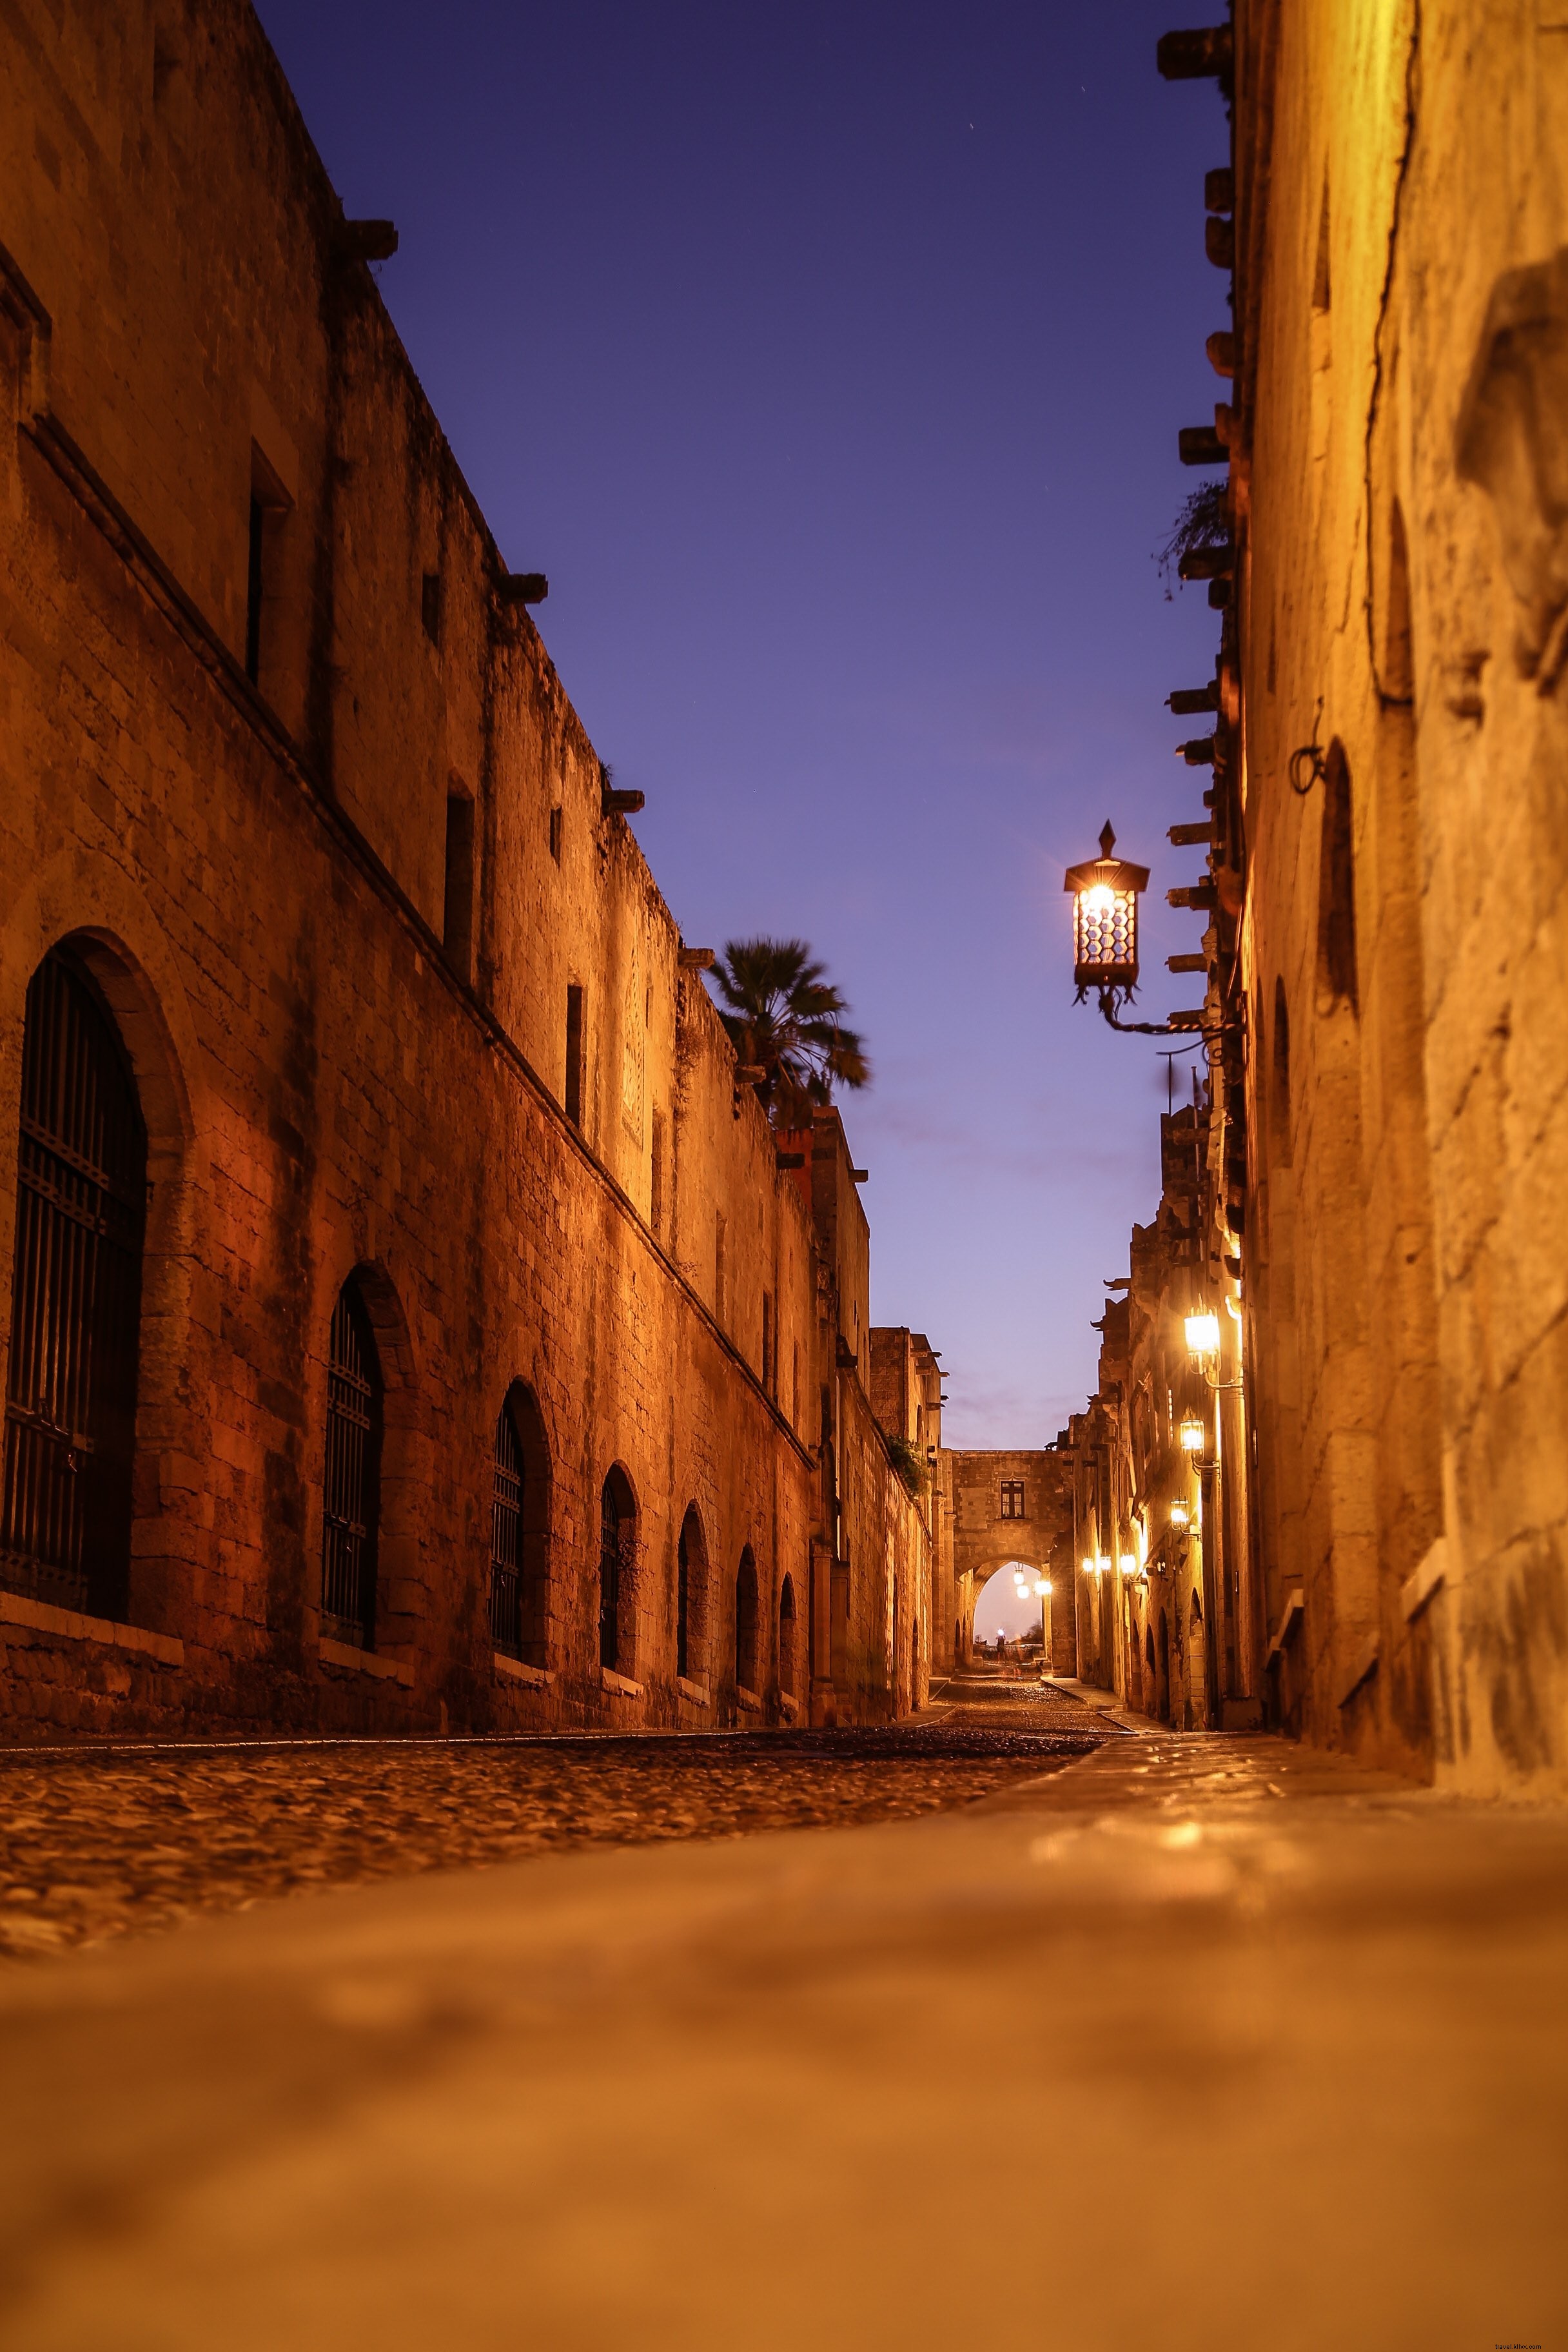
column 289, row 773
column 1374, row 1214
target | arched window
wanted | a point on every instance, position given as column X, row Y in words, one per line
column 506, row 1540
column 352, row 1487
column 691, row 1598
column 746, row 1621
column 82, row 1208
column 520, row 1532
column 787, row 1637
column 618, row 1551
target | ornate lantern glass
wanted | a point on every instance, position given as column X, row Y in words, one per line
column 1105, row 923
column 1194, row 1435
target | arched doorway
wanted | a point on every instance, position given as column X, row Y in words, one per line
column 82, row 1206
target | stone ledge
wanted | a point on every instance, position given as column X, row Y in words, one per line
column 517, row 1670
column 622, row 1684
column 70, row 1625
column 1363, row 1667
column 789, row 1702
column 747, row 1700
column 1426, row 1580
column 697, row 1693
column 1295, row 1602
column 365, row 1662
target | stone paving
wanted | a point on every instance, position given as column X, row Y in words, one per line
column 96, row 1844
column 1194, row 2041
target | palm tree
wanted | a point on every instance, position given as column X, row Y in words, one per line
column 784, row 1017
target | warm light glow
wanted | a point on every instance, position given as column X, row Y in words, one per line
column 1129, row 1565
column 1041, row 1588
column 1102, row 1566
column 1193, row 1434
column 1088, row 1568
column 1202, row 1334
column 1099, row 902
column 1046, row 1588
column 1180, row 1515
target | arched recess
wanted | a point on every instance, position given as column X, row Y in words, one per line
column 1280, row 1076
column 350, row 1475
column 367, row 1314
column 788, row 1661
column 85, row 910
column 520, row 1530
column 691, row 1598
column 747, row 1647
column 72, row 1372
column 617, row 1571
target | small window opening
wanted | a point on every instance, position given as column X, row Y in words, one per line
column 430, row 605
column 458, row 916
column 656, row 1182
column 720, row 1237
column 269, row 503
column 769, row 1368
column 1013, row 1498
column 574, row 1056
column 555, row 834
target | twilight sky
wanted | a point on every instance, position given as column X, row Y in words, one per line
column 830, row 359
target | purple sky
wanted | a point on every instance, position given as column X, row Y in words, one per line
column 830, row 360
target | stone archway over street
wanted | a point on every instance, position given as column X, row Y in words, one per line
column 1011, row 1507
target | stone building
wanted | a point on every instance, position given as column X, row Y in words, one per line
column 411, row 1321
column 1376, row 1205
column 1011, row 1507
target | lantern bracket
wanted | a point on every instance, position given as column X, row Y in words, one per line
column 1131, row 1028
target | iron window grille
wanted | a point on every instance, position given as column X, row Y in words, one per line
column 81, row 1205
column 353, row 1476
column 506, row 1540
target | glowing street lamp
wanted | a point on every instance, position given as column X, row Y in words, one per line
column 1193, row 1434
column 1105, row 892
column 1202, row 1334
column 1180, row 1515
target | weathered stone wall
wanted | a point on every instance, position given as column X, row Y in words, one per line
column 344, row 1064
column 1397, row 464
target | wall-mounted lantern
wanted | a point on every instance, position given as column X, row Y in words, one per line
column 1180, row 1515
column 1202, row 1334
column 1193, row 1434
column 1105, row 893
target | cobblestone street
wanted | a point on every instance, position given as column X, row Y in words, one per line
column 671, row 2097
column 104, row 1842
